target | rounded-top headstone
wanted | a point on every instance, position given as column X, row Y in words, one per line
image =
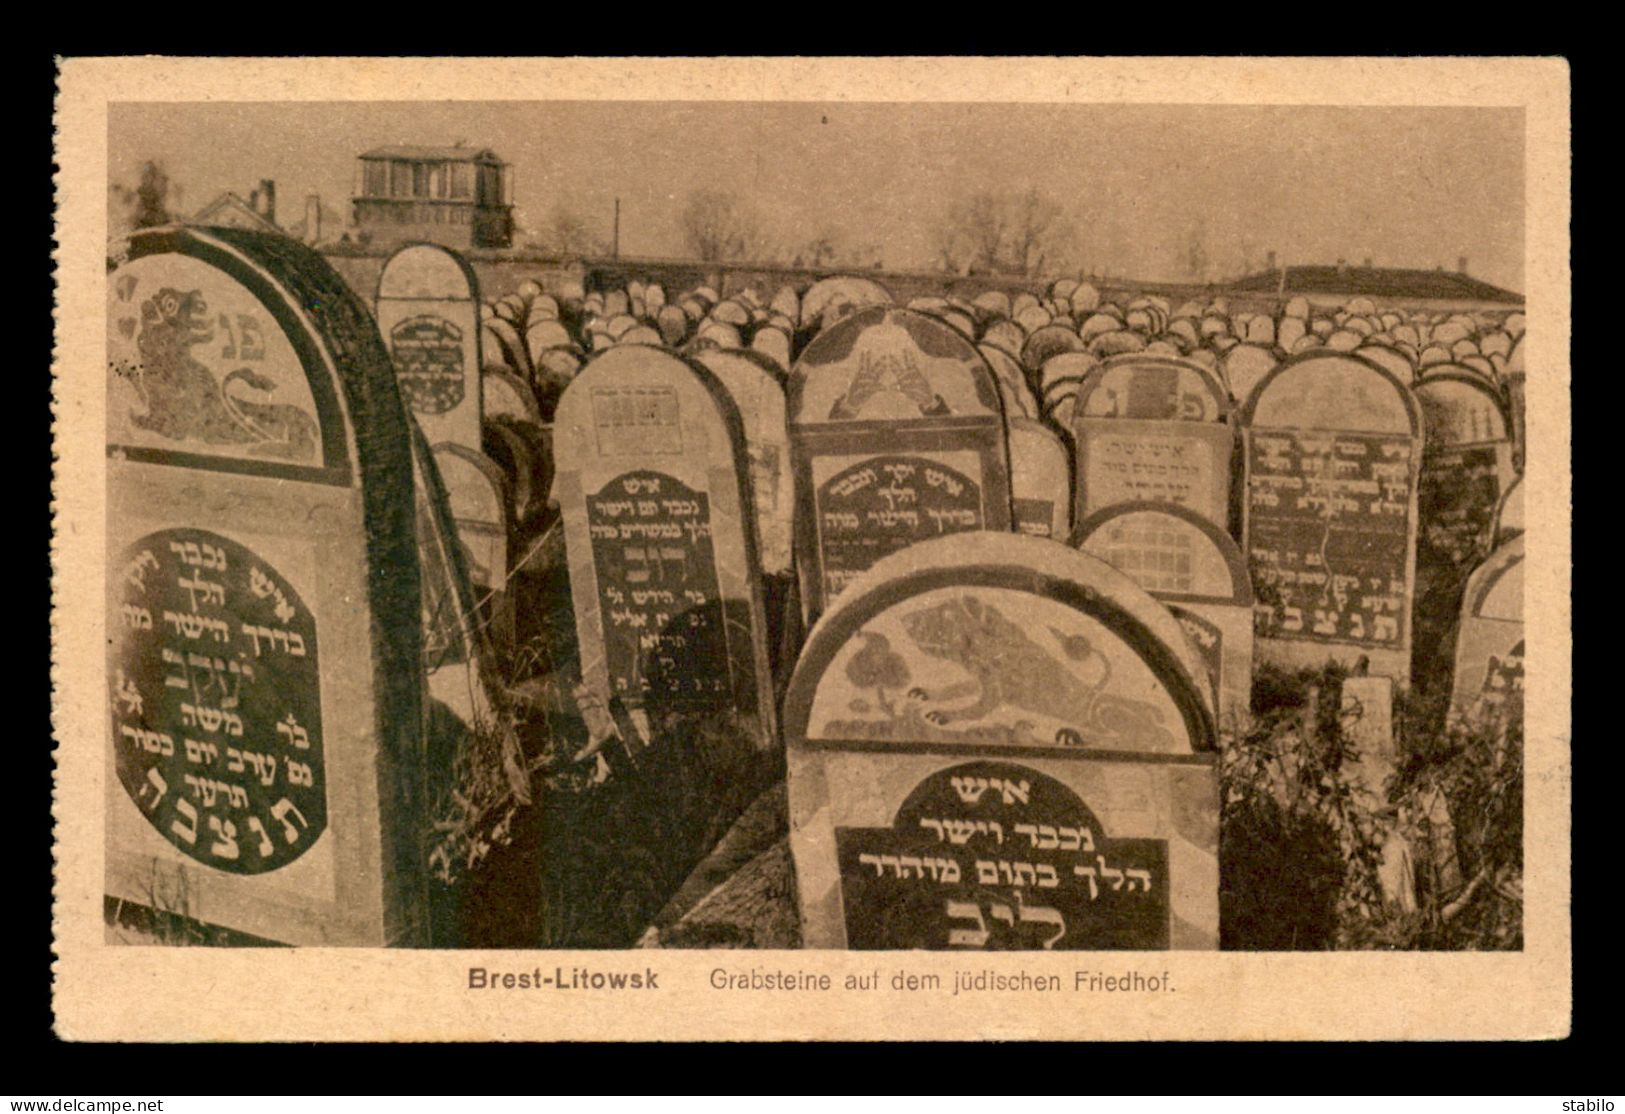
column 426, row 310
column 1154, row 388
column 1065, row 650
column 756, row 389
column 651, row 478
column 1006, row 335
column 1040, row 479
column 1196, row 569
column 898, row 434
column 263, row 594
column 1333, row 450
column 996, row 303
column 987, row 690
column 1047, row 342
column 828, row 300
column 881, row 363
column 1393, row 359
column 1459, row 408
column 1244, row 366
column 1324, row 390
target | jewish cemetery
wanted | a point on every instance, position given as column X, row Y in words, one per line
column 470, row 595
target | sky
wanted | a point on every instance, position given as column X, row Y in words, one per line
column 1404, row 187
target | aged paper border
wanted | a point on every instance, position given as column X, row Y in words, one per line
column 104, row 992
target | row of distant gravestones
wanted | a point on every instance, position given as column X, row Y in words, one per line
column 963, row 693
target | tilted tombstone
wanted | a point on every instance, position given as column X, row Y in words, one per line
column 514, row 450
column 507, row 395
column 478, row 495
column 428, row 314
column 1199, row 573
column 652, row 484
column 1157, row 428
column 1489, row 644
column 756, row 392
column 896, row 435
column 458, row 657
column 997, row 742
column 264, row 643
column 1040, row 480
column 1333, row 445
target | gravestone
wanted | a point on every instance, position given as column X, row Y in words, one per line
column 478, row 496
column 652, row 484
column 1509, row 515
column 896, row 436
column 264, row 641
column 508, row 396
column 831, row 299
column 1488, row 674
column 996, row 742
column 1153, row 428
column 1466, row 467
column 428, row 314
column 1244, row 366
column 1199, row 573
column 458, row 657
column 756, row 393
column 1333, row 444
column 1040, row 480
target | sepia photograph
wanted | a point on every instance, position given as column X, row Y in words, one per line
column 544, row 543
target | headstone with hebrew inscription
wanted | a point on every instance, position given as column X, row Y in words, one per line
column 896, row 436
column 1153, row 428
column 758, row 395
column 1000, row 743
column 1040, row 480
column 1199, row 573
column 659, row 527
column 264, row 680
column 1333, row 445
column 1487, row 681
column 428, row 314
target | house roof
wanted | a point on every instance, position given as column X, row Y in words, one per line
column 232, row 211
column 433, row 154
column 1384, row 282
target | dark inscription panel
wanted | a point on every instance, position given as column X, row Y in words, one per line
column 1034, row 517
column 664, row 635
column 884, row 504
column 1457, row 494
column 216, row 704
column 428, row 355
column 1328, row 522
column 995, row 856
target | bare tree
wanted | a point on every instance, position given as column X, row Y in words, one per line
column 1010, row 233
column 1197, row 257
column 719, row 226
column 566, row 233
column 147, row 204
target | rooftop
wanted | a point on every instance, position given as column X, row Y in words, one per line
column 1385, row 282
column 433, row 154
